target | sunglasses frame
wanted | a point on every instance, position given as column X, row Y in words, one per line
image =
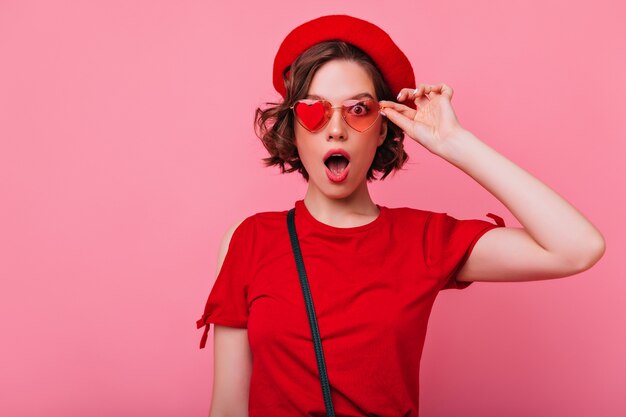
column 332, row 108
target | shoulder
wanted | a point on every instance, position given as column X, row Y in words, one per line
column 409, row 216
column 435, row 222
column 255, row 225
column 407, row 211
column 228, row 235
column 426, row 216
column 232, row 237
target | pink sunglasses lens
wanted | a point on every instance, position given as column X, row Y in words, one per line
column 361, row 114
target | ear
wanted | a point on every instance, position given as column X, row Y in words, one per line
column 383, row 131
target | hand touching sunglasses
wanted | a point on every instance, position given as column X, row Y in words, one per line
column 313, row 115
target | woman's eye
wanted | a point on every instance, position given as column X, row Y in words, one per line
column 360, row 109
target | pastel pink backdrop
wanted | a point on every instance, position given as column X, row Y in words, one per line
column 127, row 150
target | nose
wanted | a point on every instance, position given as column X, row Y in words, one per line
column 337, row 128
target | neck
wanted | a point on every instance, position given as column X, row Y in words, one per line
column 345, row 211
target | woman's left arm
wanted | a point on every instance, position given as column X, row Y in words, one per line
column 556, row 239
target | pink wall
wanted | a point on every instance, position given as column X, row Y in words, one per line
column 121, row 124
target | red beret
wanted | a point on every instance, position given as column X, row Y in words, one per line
column 393, row 64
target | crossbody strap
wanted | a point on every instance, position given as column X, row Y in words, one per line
column 306, row 292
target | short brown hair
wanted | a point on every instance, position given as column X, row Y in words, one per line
column 276, row 123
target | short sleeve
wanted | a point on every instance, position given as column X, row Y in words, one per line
column 227, row 302
column 449, row 242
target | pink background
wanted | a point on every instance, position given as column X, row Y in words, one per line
column 127, row 150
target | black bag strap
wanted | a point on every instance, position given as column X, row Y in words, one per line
column 306, row 292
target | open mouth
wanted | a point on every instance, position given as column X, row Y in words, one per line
column 336, row 164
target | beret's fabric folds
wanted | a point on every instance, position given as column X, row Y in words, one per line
column 389, row 58
column 373, row 287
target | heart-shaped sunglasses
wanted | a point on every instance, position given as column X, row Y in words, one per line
column 359, row 114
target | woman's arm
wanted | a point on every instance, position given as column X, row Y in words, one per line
column 556, row 239
column 232, row 360
column 232, row 367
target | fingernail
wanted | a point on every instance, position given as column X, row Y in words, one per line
column 415, row 91
column 399, row 94
column 383, row 113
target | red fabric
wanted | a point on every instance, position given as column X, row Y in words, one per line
column 393, row 64
column 373, row 287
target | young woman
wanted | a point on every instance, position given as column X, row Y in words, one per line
column 374, row 271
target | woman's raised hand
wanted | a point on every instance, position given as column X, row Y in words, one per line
column 433, row 123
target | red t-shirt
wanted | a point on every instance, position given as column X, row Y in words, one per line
column 373, row 287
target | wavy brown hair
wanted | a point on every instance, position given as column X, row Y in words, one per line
column 274, row 125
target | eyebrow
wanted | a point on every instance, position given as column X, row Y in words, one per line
column 360, row 95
